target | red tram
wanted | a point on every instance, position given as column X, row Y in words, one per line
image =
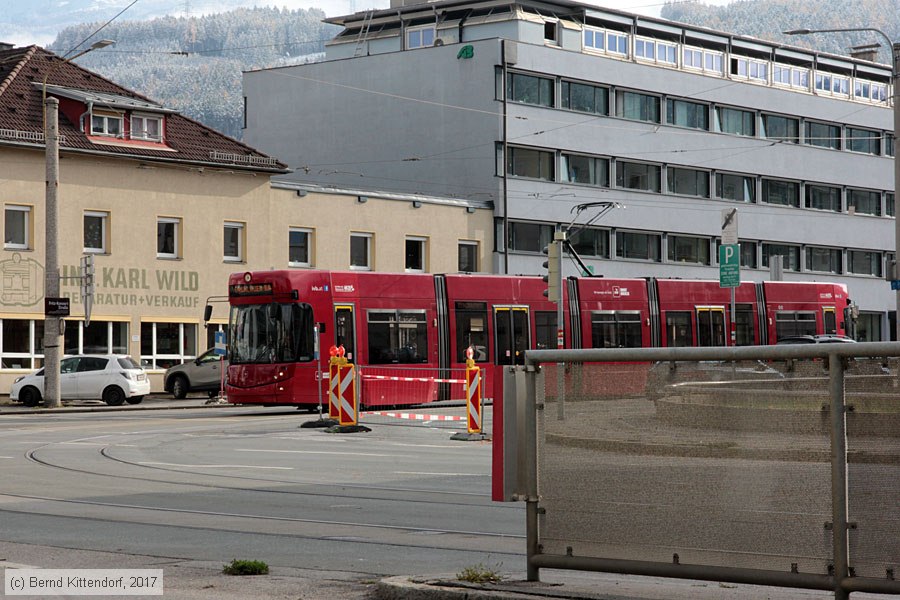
column 417, row 327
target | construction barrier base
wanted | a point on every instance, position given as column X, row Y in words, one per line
column 319, row 423
column 470, row 437
column 347, row 429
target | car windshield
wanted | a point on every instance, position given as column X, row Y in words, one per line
column 126, row 362
column 269, row 333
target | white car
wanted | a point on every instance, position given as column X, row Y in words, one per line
column 113, row 378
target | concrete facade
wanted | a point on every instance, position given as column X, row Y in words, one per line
column 436, row 119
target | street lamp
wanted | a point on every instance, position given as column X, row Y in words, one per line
column 52, row 329
column 895, row 72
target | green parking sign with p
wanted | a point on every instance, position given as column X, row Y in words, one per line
column 729, row 265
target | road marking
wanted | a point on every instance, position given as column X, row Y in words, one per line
column 312, row 452
column 215, row 466
column 7, row 456
column 448, row 474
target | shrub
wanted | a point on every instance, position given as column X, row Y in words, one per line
column 246, row 567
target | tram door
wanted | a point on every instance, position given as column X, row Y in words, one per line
column 511, row 337
column 829, row 319
column 711, row 326
column 344, row 330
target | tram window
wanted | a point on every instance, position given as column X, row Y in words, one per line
column 830, row 321
column 678, row 329
column 545, row 330
column 397, row 336
column 743, row 325
column 616, row 330
column 790, row 324
column 471, row 330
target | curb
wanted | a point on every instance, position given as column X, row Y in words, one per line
column 417, row 588
column 5, row 408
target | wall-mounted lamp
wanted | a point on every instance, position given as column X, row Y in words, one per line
column 417, row 204
column 362, row 199
column 470, row 209
column 301, row 193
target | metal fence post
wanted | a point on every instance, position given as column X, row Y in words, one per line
column 839, row 490
column 531, row 471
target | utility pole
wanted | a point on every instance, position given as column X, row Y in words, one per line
column 52, row 328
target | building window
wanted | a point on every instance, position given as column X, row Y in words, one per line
column 825, row 260
column 529, row 237
column 591, row 242
column 638, row 107
column 166, row 344
column 616, row 329
column 687, row 114
column 617, row 43
column 145, row 127
column 889, row 204
column 584, row 98
column 790, row 253
column 468, row 256
column 168, row 237
column 861, row 262
column 594, row 39
column 551, row 32
column 822, row 135
column 17, row 227
column 868, row 327
column 535, row 164
column 638, row 246
column 95, row 231
column 233, row 249
column 300, row 247
column 683, row 249
column 741, row 188
column 735, row 121
column 529, row 89
column 863, row 140
column 655, row 51
column 785, row 129
column 795, row 77
column 106, row 124
column 889, row 144
column 586, row 169
column 687, row 182
column 748, row 255
column 361, row 251
column 784, row 193
column 701, row 59
column 21, row 344
column 748, row 68
column 419, row 37
column 829, row 83
column 864, row 202
column 416, row 254
column 638, row 176
column 102, row 337
column 823, row 197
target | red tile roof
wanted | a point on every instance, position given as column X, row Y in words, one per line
column 22, row 76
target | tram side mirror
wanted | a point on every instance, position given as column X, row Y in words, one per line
column 272, row 310
column 207, row 313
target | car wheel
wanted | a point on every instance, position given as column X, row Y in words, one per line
column 114, row 396
column 30, row 396
column 180, row 387
column 135, row 400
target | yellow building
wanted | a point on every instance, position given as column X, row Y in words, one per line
column 169, row 208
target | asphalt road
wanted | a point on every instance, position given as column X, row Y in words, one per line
column 196, row 488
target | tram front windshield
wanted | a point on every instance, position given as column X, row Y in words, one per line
column 271, row 333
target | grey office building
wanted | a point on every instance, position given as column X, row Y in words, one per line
column 543, row 107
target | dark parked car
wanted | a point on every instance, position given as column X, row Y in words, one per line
column 203, row 374
column 827, row 338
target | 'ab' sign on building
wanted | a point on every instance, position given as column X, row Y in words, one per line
column 729, row 251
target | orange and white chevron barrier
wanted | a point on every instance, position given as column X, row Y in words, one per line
column 346, row 393
column 473, row 393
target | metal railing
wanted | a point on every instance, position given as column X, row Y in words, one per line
column 723, row 464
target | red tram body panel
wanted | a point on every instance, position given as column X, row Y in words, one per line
column 408, row 333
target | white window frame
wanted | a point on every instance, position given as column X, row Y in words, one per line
column 468, row 244
column 751, row 69
column 142, row 132
column 106, row 117
column 423, row 251
column 176, row 237
column 420, row 32
column 240, row 229
column 617, row 35
column 596, row 34
column 705, row 56
column 659, row 53
column 104, row 231
column 368, row 246
column 310, row 238
column 30, row 360
column 25, row 211
column 184, row 343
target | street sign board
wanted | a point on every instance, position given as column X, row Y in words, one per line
column 56, row 307
column 895, row 284
column 729, row 226
column 729, row 265
column 220, row 343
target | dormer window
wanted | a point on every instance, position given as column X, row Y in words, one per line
column 107, row 124
column 419, row 37
column 146, row 127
